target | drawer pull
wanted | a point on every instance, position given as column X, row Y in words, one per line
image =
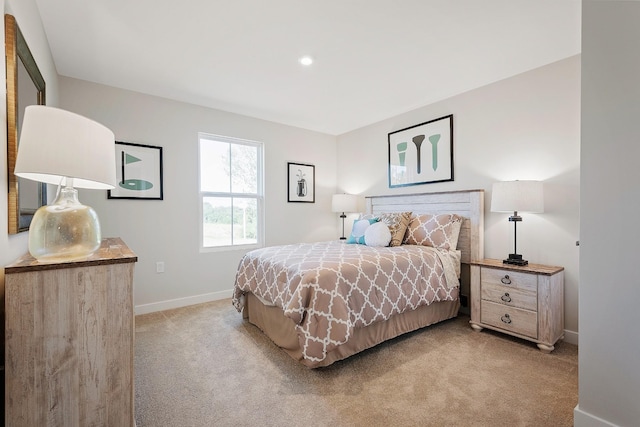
column 506, row 319
column 506, row 297
column 505, row 280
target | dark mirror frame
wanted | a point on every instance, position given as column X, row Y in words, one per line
column 16, row 49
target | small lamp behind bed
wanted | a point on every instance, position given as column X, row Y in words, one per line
column 517, row 196
column 344, row 203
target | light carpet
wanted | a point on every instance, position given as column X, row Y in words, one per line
column 204, row 365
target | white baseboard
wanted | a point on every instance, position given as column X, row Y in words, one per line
column 584, row 419
column 571, row 337
column 182, row 302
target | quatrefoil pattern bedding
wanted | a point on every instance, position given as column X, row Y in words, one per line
column 330, row 288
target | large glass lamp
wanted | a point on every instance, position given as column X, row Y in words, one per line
column 66, row 149
column 517, row 196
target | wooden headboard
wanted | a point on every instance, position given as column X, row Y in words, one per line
column 468, row 204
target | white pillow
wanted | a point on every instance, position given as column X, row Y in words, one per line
column 358, row 229
column 377, row 234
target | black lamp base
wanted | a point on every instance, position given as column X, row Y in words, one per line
column 343, row 216
column 515, row 259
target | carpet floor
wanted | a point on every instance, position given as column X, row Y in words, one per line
column 204, row 365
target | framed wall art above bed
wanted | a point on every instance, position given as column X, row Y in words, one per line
column 421, row 154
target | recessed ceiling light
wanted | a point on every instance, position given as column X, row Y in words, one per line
column 306, row 60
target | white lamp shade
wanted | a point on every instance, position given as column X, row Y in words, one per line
column 56, row 144
column 344, row 203
column 517, row 196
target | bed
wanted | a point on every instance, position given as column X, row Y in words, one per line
column 325, row 301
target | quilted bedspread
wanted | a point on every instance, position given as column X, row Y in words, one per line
column 330, row 288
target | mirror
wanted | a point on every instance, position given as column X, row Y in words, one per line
column 25, row 86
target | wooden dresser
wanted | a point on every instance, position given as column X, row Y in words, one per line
column 69, row 340
column 523, row 301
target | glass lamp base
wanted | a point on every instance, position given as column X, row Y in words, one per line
column 65, row 230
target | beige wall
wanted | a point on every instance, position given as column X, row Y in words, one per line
column 524, row 127
column 168, row 230
column 609, row 376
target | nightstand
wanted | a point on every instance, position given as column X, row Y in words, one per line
column 523, row 301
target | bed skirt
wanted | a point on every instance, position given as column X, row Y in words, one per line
column 281, row 329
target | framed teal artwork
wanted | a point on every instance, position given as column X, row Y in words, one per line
column 421, row 154
column 138, row 172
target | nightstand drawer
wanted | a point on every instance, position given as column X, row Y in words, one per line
column 523, row 322
column 512, row 279
column 511, row 296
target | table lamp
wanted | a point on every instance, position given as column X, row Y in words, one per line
column 69, row 150
column 344, row 203
column 517, row 196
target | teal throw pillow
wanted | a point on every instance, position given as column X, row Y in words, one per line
column 358, row 229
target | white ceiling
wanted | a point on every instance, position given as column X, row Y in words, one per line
column 373, row 58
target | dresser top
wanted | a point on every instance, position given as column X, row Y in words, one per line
column 546, row 270
column 112, row 251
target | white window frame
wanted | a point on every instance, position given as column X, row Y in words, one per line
column 259, row 196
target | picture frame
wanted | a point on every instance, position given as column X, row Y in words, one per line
column 138, row 172
column 413, row 163
column 301, row 183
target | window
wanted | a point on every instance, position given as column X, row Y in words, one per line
column 231, row 195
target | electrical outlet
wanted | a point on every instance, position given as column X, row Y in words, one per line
column 160, row 267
